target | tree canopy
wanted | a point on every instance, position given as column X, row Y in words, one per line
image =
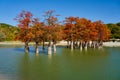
column 115, row 30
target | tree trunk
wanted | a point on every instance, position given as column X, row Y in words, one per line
column 74, row 44
column 43, row 45
column 26, row 47
column 54, row 47
column 90, row 43
column 71, row 45
column 67, row 44
column 36, row 48
column 86, row 45
column 78, row 44
column 81, row 46
column 49, row 48
column 100, row 44
column 94, row 44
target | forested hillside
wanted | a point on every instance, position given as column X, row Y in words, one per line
column 115, row 30
column 7, row 32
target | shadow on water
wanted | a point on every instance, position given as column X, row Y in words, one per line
column 19, row 49
column 31, row 50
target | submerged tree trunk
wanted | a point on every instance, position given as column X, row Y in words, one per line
column 71, row 45
column 75, row 44
column 36, row 47
column 81, row 46
column 78, row 44
column 54, row 47
column 43, row 45
column 67, row 44
column 100, row 44
column 86, row 45
column 93, row 43
column 26, row 47
column 49, row 48
column 90, row 43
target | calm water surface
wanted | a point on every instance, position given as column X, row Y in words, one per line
column 93, row 64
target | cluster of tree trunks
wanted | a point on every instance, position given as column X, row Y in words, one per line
column 49, row 50
column 84, row 44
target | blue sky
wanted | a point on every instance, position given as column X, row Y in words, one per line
column 106, row 10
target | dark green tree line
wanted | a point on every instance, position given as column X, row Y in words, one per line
column 115, row 30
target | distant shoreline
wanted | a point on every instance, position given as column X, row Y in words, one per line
column 111, row 44
column 61, row 43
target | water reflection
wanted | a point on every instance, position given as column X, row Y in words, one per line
column 61, row 66
column 92, row 64
column 49, row 56
column 24, row 67
column 37, row 55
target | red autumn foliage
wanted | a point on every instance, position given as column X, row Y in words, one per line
column 24, row 19
column 82, row 29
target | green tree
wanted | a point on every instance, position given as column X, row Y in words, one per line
column 2, row 36
column 9, row 31
column 118, row 24
column 115, row 30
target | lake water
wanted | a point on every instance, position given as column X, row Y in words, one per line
column 93, row 64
